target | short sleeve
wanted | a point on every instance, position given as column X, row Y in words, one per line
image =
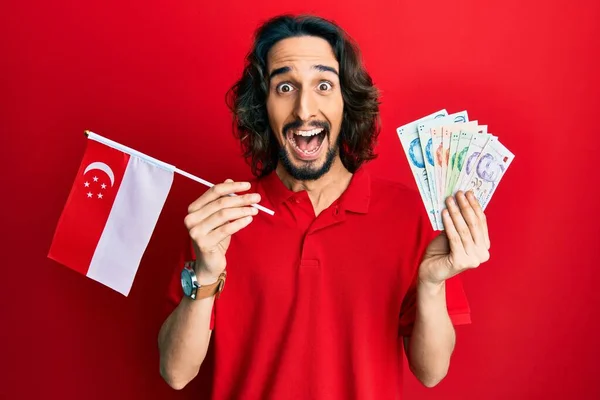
column 175, row 292
column 456, row 300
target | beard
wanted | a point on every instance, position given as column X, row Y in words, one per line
column 308, row 172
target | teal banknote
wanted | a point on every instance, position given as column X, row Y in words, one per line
column 409, row 138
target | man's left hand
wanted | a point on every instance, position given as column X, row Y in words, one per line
column 464, row 244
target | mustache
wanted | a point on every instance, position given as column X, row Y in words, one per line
column 294, row 125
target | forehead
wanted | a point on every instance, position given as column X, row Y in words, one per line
column 301, row 52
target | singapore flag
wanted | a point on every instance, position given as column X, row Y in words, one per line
column 111, row 212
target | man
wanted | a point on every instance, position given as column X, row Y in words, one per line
column 320, row 297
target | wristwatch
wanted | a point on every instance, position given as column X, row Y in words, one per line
column 193, row 289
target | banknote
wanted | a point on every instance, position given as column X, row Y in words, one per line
column 409, row 139
column 438, row 155
column 459, row 145
column 448, row 153
column 478, row 142
column 426, row 139
column 488, row 171
column 454, row 137
column 426, row 143
column 450, row 137
column 446, row 134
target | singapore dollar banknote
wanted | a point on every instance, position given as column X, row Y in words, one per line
column 448, row 153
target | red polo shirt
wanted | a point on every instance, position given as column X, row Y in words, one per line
column 316, row 307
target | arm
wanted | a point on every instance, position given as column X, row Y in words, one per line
column 464, row 245
column 183, row 340
column 431, row 344
column 185, row 335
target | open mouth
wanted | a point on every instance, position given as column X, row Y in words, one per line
column 307, row 143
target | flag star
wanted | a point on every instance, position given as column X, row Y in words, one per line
column 95, row 179
column 103, row 186
column 99, row 195
column 89, row 194
column 87, row 184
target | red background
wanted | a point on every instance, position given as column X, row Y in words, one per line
column 153, row 75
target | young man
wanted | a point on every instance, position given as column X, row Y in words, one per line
column 321, row 297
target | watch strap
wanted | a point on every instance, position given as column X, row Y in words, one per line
column 204, row 291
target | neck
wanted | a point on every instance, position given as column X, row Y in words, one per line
column 323, row 191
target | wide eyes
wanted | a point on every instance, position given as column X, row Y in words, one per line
column 325, row 86
column 285, row 87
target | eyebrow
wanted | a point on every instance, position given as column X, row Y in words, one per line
column 325, row 68
column 318, row 67
column 279, row 71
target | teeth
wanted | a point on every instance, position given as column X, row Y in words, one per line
column 293, row 142
column 306, row 152
column 309, row 133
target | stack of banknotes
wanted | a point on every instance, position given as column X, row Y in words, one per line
column 448, row 153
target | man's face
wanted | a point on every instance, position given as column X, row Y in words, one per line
column 305, row 104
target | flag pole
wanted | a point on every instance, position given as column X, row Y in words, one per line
column 94, row 136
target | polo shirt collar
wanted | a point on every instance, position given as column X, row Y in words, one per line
column 355, row 198
column 357, row 195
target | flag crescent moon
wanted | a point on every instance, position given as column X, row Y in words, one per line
column 102, row 167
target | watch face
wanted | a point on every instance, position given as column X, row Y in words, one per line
column 186, row 282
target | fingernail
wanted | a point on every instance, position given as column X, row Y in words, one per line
column 451, row 201
column 246, row 185
column 255, row 197
column 253, row 211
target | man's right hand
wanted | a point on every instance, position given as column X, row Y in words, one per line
column 212, row 219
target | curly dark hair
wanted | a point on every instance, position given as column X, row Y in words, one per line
column 247, row 97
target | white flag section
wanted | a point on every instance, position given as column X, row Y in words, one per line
column 130, row 224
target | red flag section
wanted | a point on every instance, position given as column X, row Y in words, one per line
column 88, row 206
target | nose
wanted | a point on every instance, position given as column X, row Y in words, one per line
column 306, row 105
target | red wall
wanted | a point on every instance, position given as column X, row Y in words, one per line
column 153, row 75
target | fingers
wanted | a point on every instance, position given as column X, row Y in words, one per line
column 468, row 214
column 222, row 189
column 460, row 225
column 223, row 216
column 456, row 244
column 228, row 229
column 480, row 216
column 223, row 203
column 211, row 240
column 217, row 214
